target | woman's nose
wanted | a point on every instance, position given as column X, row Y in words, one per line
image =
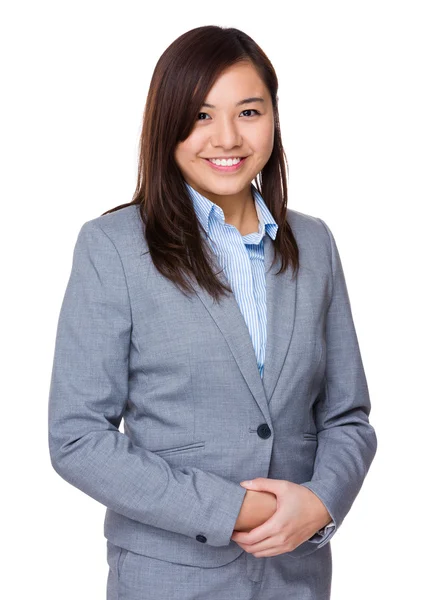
column 226, row 134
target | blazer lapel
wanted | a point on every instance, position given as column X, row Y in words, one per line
column 280, row 315
column 281, row 294
column 228, row 318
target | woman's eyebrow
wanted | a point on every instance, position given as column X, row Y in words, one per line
column 245, row 101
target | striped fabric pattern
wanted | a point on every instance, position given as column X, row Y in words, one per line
column 242, row 260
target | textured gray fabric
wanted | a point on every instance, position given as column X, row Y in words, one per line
column 182, row 374
column 134, row 576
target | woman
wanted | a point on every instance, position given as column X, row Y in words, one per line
column 224, row 369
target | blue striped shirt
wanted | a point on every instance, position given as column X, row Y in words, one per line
column 242, row 260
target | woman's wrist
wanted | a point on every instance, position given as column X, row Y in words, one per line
column 257, row 507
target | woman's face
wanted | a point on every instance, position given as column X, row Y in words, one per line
column 229, row 130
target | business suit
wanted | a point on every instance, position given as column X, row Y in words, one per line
column 197, row 416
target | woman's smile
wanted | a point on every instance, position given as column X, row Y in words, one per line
column 226, row 166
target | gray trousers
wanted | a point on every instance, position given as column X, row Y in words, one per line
column 137, row 577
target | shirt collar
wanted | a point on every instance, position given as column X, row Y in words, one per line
column 204, row 208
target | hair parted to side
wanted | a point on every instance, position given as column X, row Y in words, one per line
column 182, row 78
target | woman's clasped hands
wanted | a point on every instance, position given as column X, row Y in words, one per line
column 299, row 514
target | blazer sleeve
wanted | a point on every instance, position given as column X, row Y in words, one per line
column 87, row 397
column 347, row 443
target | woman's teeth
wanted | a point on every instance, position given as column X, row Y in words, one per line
column 225, row 163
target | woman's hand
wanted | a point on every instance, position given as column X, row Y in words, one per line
column 299, row 514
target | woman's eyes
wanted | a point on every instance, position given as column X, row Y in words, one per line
column 246, row 110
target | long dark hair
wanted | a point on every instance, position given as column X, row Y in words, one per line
column 182, row 78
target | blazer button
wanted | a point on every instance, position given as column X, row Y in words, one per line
column 263, row 431
column 201, row 538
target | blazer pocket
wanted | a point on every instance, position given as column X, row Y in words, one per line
column 180, row 449
column 310, row 436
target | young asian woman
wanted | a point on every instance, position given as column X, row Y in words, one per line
column 215, row 322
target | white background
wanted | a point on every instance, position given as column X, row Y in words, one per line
column 355, row 115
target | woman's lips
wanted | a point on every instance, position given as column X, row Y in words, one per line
column 226, row 169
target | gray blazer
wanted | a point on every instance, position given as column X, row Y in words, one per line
column 198, row 418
